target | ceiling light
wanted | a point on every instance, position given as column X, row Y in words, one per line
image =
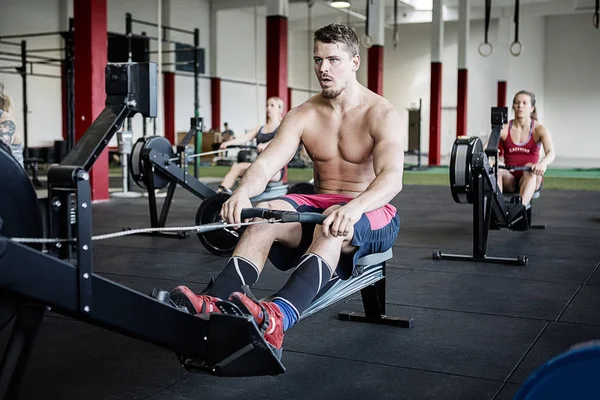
column 339, row 4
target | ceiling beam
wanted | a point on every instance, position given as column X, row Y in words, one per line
column 219, row 5
column 552, row 7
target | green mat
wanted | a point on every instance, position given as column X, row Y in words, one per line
column 566, row 179
column 550, row 173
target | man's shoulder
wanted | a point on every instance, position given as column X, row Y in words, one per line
column 304, row 109
column 379, row 108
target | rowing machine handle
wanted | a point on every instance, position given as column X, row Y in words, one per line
column 241, row 146
column 513, row 168
column 284, row 216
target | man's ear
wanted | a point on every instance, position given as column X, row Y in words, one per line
column 356, row 63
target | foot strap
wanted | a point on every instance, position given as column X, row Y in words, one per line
column 266, row 318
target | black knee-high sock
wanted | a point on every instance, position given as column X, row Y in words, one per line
column 311, row 274
column 238, row 272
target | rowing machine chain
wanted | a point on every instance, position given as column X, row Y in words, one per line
column 196, row 228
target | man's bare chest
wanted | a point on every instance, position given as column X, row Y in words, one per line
column 332, row 141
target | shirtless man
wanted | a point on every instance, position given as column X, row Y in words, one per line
column 520, row 142
column 9, row 133
column 355, row 139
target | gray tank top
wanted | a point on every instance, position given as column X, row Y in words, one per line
column 16, row 149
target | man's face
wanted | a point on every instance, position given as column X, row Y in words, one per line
column 334, row 68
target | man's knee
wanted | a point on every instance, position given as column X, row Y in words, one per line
column 346, row 239
column 288, row 234
column 339, row 243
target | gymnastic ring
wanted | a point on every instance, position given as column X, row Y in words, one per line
column 596, row 20
column 484, row 46
column 367, row 41
column 519, row 48
column 396, row 39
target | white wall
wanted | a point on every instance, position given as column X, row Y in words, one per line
column 43, row 94
column 559, row 64
column 191, row 14
column 407, row 74
column 241, row 53
column 572, row 86
column 527, row 71
column 184, row 14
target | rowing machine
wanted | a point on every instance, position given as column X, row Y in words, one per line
column 473, row 180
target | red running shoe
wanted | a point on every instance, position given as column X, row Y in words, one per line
column 267, row 315
column 182, row 296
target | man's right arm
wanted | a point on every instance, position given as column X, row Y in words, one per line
column 268, row 163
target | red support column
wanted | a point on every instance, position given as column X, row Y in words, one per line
column 90, row 63
column 215, row 103
column 277, row 57
column 461, row 105
column 435, row 114
column 375, row 69
column 501, row 93
column 169, row 105
column 63, row 97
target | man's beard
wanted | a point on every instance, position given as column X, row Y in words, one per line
column 331, row 93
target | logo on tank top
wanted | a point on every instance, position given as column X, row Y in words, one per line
column 519, row 150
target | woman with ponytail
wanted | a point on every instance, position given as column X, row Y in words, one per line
column 520, row 142
column 9, row 133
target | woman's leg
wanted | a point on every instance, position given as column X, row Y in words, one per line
column 529, row 184
column 506, row 181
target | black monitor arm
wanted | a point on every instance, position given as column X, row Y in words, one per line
column 499, row 118
column 130, row 89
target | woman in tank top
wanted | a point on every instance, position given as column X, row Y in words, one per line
column 263, row 135
column 520, row 143
column 10, row 134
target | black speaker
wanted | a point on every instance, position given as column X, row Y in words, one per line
column 118, row 48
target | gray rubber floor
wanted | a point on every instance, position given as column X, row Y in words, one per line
column 479, row 329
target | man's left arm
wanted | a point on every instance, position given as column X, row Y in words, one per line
column 388, row 162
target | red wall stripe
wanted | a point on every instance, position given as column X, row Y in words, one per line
column 375, row 69
column 277, row 52
column 169, row 105
column 461, row 104
column 501, row 93
column 215, row 103
column 435, row 114
column 90, row 63
column 63, row 95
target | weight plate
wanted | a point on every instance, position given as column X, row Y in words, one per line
column 135, row 163
column 461, row 175
column 19, row 211
column 138, row 159
column 219, row 242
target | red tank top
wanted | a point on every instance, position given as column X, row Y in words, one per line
column 519, row 154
